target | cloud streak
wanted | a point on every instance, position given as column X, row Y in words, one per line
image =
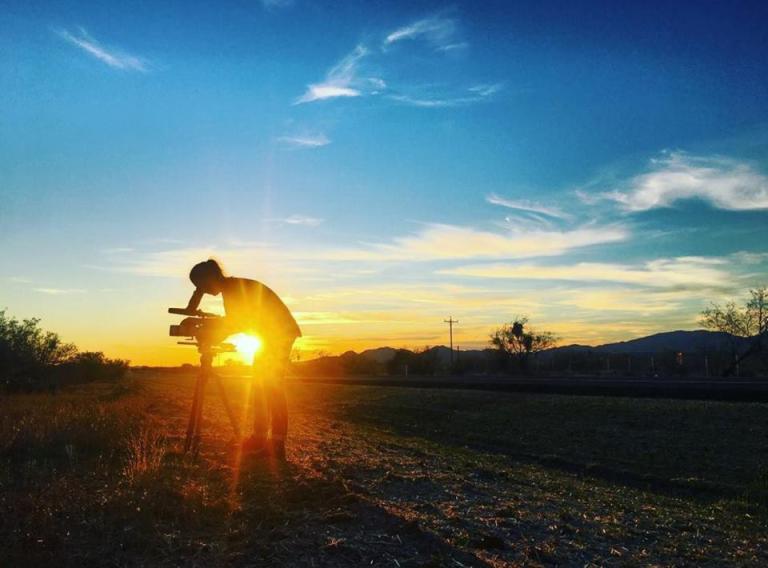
column 528, row 206
column 59, row 291
column 345, row 80
column 438, row 31
column 436, row 242
column 447, row 242
column 724, row 183
column 303, row 220
column 679, row 272
column 341, row 80
column 305, row 141
column 475, row 94
column 114, row 58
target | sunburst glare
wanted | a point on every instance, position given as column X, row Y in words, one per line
column 247, row 345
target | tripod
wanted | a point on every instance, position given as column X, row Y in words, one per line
column 207, row 353
column 208, row 334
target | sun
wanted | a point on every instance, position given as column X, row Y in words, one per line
column 247, row 345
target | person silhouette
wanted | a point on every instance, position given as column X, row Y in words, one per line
column 253, row 307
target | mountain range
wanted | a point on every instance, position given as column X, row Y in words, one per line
column 697, row 341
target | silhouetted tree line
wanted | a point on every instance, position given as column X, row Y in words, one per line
column 517, row 349
column 33, row 359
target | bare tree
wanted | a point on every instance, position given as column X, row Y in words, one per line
column 757, row 308
column 747, row 321
column 516, row 343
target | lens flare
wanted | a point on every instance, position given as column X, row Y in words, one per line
column 247, row 345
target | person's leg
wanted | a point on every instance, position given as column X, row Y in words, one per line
column 279, row 417
column 258, row 405
column 277, row 401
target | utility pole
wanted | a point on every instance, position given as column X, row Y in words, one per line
column 450, row 321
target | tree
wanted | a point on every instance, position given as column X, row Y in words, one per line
column 31, row 358
column 27, row 352
column 746, row 321
column 751, row 320
column 757, row 308
column 516, row 344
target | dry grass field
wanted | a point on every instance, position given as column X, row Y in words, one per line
column 382, row 476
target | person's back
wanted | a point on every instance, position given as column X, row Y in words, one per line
column 254, row 306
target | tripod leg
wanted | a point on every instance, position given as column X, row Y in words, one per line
column 199, row 416
column 227, row 407
column 192, row 424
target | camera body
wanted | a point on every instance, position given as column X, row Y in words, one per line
column 206, row 329
column 189, row 327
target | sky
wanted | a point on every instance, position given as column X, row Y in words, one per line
column 600, row 167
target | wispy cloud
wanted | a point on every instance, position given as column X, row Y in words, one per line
column 171, row 262
column 627, row 300
column 475, row 94
column 342, row 80
column 303, row 220
column 435, row 242
column 347, row 80
column 444, row 242
column 113, row 57
column 305, row 140
column 453, row 46
column 437, row 30
column 679, row 272
column 486, row 89
column 724, row 183
column 59, row 291
column 529, row 206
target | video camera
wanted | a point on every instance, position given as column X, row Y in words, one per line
column 208, row 330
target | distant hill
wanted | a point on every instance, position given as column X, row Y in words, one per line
column 380, row 354
column 696, row 341
column 657, row 351
column 699, row 340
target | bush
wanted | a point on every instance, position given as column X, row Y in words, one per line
column 94, row 366
column 27, row 352
column 32, row 359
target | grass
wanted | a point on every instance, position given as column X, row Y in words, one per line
column 383, row 477
column 692, row 444
column 145, row 450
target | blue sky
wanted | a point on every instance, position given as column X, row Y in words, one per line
column 599, row 166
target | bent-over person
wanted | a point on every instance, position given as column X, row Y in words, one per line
column 252, row 307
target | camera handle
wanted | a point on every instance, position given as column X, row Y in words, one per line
column 193, row 313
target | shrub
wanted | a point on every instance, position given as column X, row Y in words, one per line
column 27, row 352
column 32, row 359
column 94, row 366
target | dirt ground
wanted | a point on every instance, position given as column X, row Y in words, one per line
column 383, row 477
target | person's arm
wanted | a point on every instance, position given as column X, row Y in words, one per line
column 194, row 301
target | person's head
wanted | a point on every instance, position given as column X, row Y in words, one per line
column 207, row 276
